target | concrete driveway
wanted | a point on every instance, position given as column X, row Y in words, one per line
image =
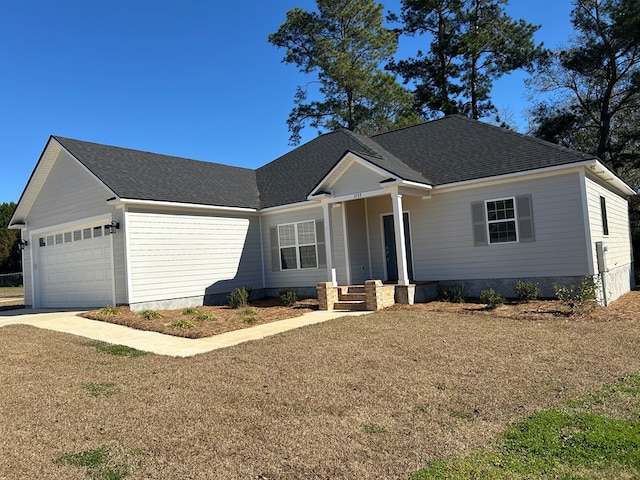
column 70, row 322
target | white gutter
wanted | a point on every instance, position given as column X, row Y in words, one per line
column 593, row 164
column 152, row 203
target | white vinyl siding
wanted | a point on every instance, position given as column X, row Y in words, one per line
column 71, row 194
column 183, row 256
column 443, row 234
column 357, row 179
column 305, row 277
column 617, row 241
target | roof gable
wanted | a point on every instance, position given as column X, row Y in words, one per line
column 352, row 175
column 134, row 174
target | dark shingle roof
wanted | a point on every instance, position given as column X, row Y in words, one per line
column 449, row 150
column 292, row 177
column 139, row 175
column 455, row 149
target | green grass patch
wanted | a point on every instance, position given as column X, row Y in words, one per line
column 374, row 428
column 117, row 350
column 462, row 415
column 100, row 389
column 595, row 437
column 98, row 463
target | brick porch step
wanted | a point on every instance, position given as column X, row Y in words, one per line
column 351, row 297
column 351, row 305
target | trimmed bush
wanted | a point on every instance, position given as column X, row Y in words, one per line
column 580, row 299
column 490, row 298
column 527, row 291
column 451, row 293
column 288, row 298
column 239, row 298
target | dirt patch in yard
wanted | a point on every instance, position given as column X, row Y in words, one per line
column 370, row 397
column 208, row 320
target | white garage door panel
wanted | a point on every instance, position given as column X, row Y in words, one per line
column 76, row 273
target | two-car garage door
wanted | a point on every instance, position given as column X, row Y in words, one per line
column 75, row 268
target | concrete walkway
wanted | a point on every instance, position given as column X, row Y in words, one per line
column 70, row 322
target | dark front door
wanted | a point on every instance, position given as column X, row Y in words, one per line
column 390, row 247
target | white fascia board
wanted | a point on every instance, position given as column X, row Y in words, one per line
column 152, row 203
column 407, row 183
column 608, row 176
column 351, row 158
column 541, row 172
column 292, row 206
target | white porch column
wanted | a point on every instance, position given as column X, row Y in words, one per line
column 326, row 213
column 401, row 247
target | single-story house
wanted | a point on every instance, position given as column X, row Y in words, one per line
column 453, row 200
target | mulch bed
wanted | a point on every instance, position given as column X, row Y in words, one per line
column 226, row 319
column 268, row 310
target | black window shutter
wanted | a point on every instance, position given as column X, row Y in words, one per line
column 525, row 219
column 479, row 224
column 322, row 250
column 275, row 249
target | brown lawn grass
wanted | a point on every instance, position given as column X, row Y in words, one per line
column 10, row 297
column 372, row 397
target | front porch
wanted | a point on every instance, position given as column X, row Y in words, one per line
column 372, row 296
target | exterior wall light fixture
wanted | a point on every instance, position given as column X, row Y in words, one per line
column 113, row 226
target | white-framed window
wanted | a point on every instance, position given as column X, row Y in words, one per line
column 298, row 245
column 501, row 220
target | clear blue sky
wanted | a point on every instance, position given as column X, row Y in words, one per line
column 189, row 78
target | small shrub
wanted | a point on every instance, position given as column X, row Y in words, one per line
column 451, row 293
column 527, row 291
column 239, row 297
column 205, row 317
column 249, row 316
column 190, row 311
column 580, row 299
column 288, row 298
column 180, row 324
column 150, row 314
column 490, row 298
column 109, row 311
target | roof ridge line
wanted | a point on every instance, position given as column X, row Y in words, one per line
column 356, row 137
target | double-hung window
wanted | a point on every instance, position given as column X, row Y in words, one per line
column 298, row 245
column 501, row 220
